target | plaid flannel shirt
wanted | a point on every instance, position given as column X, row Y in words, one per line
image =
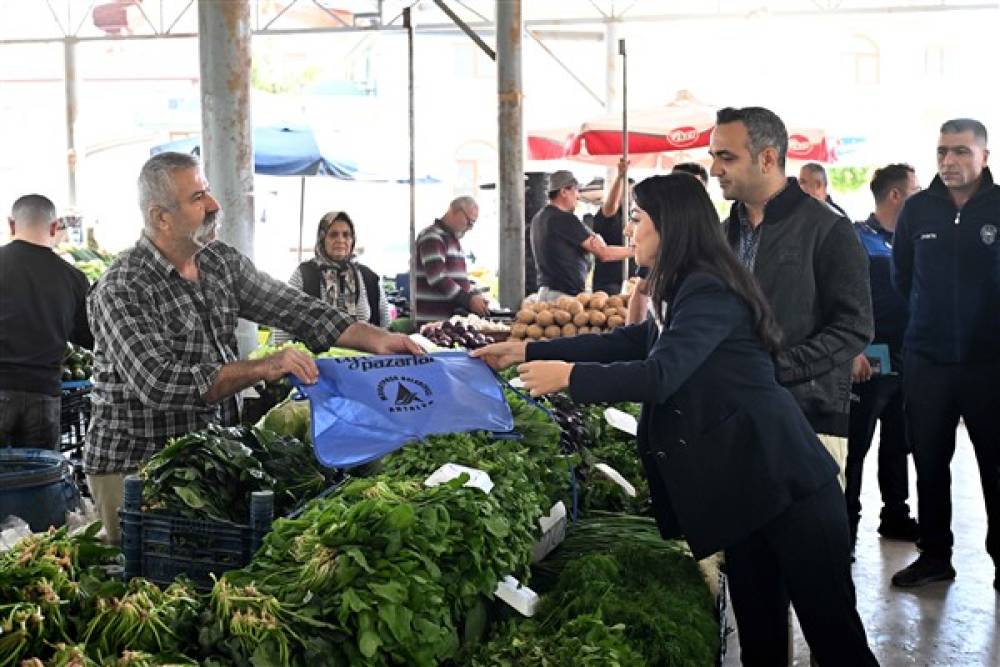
column 160, row 341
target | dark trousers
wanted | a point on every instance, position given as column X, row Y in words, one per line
column 880, row 399
column 28, row 419
column 937, row 396
column 803, row 556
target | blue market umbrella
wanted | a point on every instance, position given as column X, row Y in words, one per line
column 287, row 150
column 280, row 151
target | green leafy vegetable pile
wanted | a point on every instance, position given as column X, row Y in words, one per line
column 617, row 567
column 585, row 641
column 396, row 572
column 617, row 449
column 212, row 473
column 60, row 608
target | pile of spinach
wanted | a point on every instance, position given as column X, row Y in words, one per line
column 210, row 474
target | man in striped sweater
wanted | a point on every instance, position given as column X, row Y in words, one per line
column 442, row 281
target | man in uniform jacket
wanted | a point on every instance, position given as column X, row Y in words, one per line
column 946, row 263
column 808, row 262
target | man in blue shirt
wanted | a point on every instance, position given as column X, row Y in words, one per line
column 877, row 394
column 946, row 263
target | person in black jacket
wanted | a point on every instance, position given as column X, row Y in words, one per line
column 732, row 462
column 334, row 275
column 946, row 263
column 813, row 181
column 42, row 305
column 608, row 224
column 878, row 392
column 809, row 265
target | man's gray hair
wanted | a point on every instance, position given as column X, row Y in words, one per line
column 959, row 125
column 462, row 203
column 33, row 211
column 816, row 169
column 764, row 128
column 156, row 183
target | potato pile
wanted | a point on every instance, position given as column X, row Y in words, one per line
column 569, row 316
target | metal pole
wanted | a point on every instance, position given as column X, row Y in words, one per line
column 302, row 213
column 71, row 81
column 224, row 33
column 510, row 152
column 408, row 24
column 626, row 195
column 466, row 29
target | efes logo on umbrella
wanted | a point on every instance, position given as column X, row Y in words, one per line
column 404, row 394
column 683, row 136
column 799, row 144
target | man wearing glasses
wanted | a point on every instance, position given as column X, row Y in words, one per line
column 442, row 280
column 561, row 243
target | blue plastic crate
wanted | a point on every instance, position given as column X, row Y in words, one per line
column 161, row 547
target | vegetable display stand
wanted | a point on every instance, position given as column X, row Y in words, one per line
column 160, row 546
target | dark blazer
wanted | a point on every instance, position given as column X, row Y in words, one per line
column 814, row 274
column 725, row 447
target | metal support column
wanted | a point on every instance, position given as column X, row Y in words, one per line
column 224, row 33
column 612, row 78
column 411, row 116
column 71, row 80
column 510, row 152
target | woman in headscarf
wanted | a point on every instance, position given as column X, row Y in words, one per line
column 335, row 277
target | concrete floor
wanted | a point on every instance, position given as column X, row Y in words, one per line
column 955, row 624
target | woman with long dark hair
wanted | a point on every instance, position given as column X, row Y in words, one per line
column 732, row 463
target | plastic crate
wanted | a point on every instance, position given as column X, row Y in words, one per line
column 74, row 415
column 161, row 547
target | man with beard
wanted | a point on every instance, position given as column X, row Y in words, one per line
column 164, row 320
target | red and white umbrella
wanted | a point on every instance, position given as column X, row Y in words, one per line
column 811, row 145
column 681, row 125
column 658, row 137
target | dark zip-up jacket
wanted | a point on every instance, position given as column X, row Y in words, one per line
column 888, row 307
column 814, row 273
column 946, row 263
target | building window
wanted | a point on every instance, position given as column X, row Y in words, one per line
column 863, row 61
column 466, row 177
column 934, row 61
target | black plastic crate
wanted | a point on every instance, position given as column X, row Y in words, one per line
column 74, row 415
column 161, row 547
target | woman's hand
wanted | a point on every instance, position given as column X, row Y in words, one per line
column 545, row 377
column 501, row 355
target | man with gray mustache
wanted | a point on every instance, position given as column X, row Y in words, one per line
column 164, row 319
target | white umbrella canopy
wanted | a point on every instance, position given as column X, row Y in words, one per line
column 659, row 137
